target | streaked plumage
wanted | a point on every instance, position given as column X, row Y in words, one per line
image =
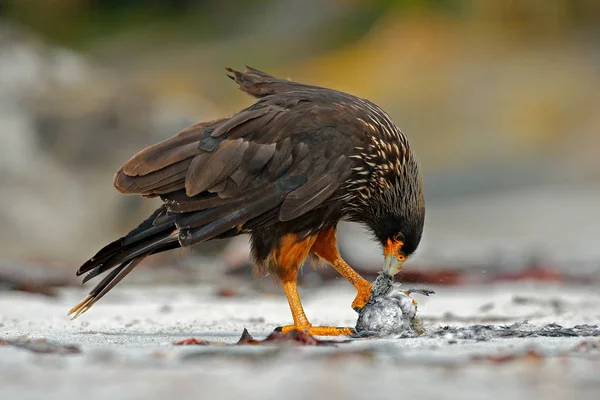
column 285, row 170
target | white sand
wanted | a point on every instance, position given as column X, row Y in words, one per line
column 127, row 350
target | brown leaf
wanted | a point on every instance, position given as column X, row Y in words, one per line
column 295, row 337
column 247, row 338
column 302, row 338
column 192, row 341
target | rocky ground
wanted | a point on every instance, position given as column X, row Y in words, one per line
column 512, row 340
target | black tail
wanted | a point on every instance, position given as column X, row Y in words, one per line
column 156, row 234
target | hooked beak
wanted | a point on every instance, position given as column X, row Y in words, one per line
column 394, row 257
column 392, row 265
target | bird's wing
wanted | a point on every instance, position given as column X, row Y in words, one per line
column 260, row 84
column 282, row 157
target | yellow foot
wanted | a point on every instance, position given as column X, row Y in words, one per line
column 363, row 296
column 318, row 330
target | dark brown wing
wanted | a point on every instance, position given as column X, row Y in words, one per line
column 282, row 157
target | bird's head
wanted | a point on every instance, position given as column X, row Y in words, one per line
column 396, row 211
column 386, row 189
column 399, row 237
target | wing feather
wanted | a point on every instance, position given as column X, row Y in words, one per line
column 315, row 191
column 172, row 174
column 282, row 148
column 154, row 157
column 209, row 169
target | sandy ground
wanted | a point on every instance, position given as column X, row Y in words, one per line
column 127, row 350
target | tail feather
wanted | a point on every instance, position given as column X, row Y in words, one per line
column 104, row 254
column 122, row 255
column 114, row 248
column 162, row 222
column 143, row 249
column 105, row 286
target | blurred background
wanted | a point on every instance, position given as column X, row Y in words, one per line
column 500, row 99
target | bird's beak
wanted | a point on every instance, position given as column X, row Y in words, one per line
column 392, row 265
column 393, row 257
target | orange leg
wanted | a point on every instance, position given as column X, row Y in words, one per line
column 301, row 322
column 325, row 246
column 287, row 258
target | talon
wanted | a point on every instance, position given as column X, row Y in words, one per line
column 362, row 297
column 318, row 330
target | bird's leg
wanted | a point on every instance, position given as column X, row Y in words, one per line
column 293, row 297
column 287, row 257
column 362, row 285
column 325, row 246
column 301, row 322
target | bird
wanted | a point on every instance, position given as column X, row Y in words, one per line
column 285, row 170
column 390, row 310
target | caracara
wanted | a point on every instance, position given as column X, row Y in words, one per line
column 285, row 171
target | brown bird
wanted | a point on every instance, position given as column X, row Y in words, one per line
column 285, row 170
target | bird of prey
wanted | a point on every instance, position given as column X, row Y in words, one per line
column 285, row 170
